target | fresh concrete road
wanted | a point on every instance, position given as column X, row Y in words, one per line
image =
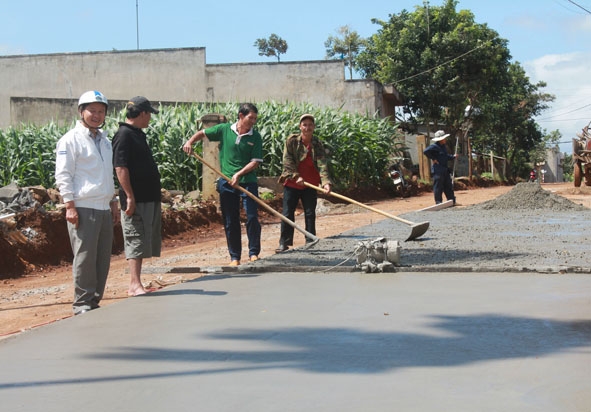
column 317, row 342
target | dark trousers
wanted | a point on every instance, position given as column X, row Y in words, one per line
column 230, row 201
column 442, row 184
column 291, row 197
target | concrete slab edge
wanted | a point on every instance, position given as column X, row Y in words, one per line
column 350, row 269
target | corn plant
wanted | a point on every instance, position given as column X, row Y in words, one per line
column 167, row 133
column 359, row 146
column 27, row 154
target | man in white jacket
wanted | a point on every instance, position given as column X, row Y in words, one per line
column 84, row 177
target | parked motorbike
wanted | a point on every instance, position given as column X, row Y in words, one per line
column 400, row 184
column 532, row 176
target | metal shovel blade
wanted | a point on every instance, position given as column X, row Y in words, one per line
column 418, row 230
column 311, row 244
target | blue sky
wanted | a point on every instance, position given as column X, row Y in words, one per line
column 550, row 38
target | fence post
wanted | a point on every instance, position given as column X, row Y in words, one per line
column 211, row 154
column 424, row 166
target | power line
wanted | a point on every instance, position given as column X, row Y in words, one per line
column 137, row 24
column 563, row 120
column 571, row 111
column 562, row 114
column 579, row 6
column 442, row 64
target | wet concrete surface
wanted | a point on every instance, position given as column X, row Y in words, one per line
column 305, row 330
column 311, row 341
column 462, row 239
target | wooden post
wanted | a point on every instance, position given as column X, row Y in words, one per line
column 424, row 165
column 211, row 154
column 469, row 158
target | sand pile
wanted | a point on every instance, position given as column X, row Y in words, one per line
column 530, row 196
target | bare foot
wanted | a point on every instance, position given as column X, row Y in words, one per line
column 136, row 292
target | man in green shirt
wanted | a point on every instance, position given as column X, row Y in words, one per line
column 241, row 152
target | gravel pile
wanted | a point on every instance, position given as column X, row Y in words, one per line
column 529, row 196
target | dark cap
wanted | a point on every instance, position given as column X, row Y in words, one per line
column 141, row 103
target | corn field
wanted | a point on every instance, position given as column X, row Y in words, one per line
column 359, row 146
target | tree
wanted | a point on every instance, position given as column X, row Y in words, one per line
column 441, row 61
column 506, row 122
column 346, row 46
column 568, row 167
column 274, row 46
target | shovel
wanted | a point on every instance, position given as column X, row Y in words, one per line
column 263, row 204
column 417, row 229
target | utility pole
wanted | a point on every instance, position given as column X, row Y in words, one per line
column 137, row 24
column 426, row 4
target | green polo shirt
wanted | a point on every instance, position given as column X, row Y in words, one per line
column 236, row 151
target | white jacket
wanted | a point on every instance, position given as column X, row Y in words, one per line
column 82, row 173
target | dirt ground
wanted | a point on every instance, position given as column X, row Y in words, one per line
column 44, row 293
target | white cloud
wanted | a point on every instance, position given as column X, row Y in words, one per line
column 567, row 77
column 577, row 25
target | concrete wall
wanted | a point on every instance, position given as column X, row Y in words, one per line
column 321, row 83
column 553, row 170
column 315, row 82
column 171, row 74
column 39, row 88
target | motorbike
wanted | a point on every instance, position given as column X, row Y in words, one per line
column 396, row 174
column 532, row 176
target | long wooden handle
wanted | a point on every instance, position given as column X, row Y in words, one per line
column 373, row 209
column 259, row 201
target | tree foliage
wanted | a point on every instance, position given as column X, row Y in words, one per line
column 273, row 46
column 505, row 123
column 442, row 61
column 346, row 46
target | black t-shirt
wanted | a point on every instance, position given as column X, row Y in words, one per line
column 131, row 150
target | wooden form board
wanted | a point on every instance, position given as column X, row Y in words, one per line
column 439, row 206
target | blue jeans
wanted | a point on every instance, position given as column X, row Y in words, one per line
column 291, row 197
column 230, row 202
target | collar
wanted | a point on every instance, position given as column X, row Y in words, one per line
column 86, row 131
column 130, row 126
column 234, row 128
column 301, row 139
column 139, row 132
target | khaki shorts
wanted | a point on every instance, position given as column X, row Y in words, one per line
column 142, row 231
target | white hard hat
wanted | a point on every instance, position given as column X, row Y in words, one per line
column 93, row 96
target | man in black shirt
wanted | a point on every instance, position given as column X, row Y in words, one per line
column 139, row 192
